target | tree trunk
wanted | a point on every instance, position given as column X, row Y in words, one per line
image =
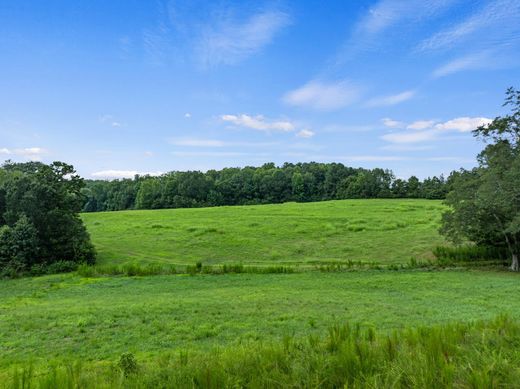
column 514, row 263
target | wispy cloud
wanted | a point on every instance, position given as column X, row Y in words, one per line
column 392, row 123
column 228, row 41
column 258, row 122
column 28, row 153
column 217, row 154
column 216, row 143
column 110, row 120
column 368, row 33
column 305, row 133
column 387, row 13
column 427, row 130
column 467, row 62
column 498, row 13
column 420, row 125
column 410, row 137
column 389, row 100
column 406, row 147
column 324, row 96
column 194, row 142
column 107, row 174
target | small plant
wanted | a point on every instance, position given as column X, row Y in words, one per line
column 127, row 364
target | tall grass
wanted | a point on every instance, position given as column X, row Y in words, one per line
column 474, row 355
column 136, row 269
column 471, row 253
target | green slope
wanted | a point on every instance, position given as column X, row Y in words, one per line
column 387, row 231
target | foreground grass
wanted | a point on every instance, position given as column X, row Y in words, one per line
column 476, row 355
column 67, row 317
column 386, row 231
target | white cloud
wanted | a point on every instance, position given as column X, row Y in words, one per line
column 305, row 134
column 391, row 99
column 324, row 96
column 29, row 153
column 373, row 158
column 360, row 158
column 420, row 125
column 109, row 119
column 428, row 130
column 410, row 137
column 193, row 142
column 258, row 123
column 406, row 147
column 187, row 115
column 463, row 124
column 123, row 174
column 392, row 123
column 226, row 41
column 218, row 154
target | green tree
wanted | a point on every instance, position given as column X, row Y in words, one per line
column 485, row 202
column 39, row 219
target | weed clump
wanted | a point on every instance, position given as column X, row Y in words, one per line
column 127, row 364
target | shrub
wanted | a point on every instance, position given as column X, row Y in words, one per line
column 127, row 364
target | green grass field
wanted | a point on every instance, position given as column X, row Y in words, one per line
column 384, row 231
column 67, row 317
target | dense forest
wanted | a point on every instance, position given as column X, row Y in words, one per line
column 300, row 182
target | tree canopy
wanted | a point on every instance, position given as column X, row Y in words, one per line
column 485, row 202
column 268, row 183
column 39, row 221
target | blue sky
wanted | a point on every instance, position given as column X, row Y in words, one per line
column 123, row 87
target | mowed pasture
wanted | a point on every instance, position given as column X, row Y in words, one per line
column 382, row 231
column 70, row 318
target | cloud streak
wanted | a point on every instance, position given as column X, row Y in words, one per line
column 258, row 122
column 498, row 13
column 324, row 96
column 227, row 41
column 385, row 101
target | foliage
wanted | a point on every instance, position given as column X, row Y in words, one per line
column 485, row 202
column 39, row 221
column 267, row 184
column 477, row 355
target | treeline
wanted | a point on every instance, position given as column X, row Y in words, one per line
column 301, row 182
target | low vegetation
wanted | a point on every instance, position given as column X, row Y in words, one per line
column 291, row 234
column 477, row 355
column 64, row 318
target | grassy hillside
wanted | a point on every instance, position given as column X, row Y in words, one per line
column 208, row 330
column 387, row 231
